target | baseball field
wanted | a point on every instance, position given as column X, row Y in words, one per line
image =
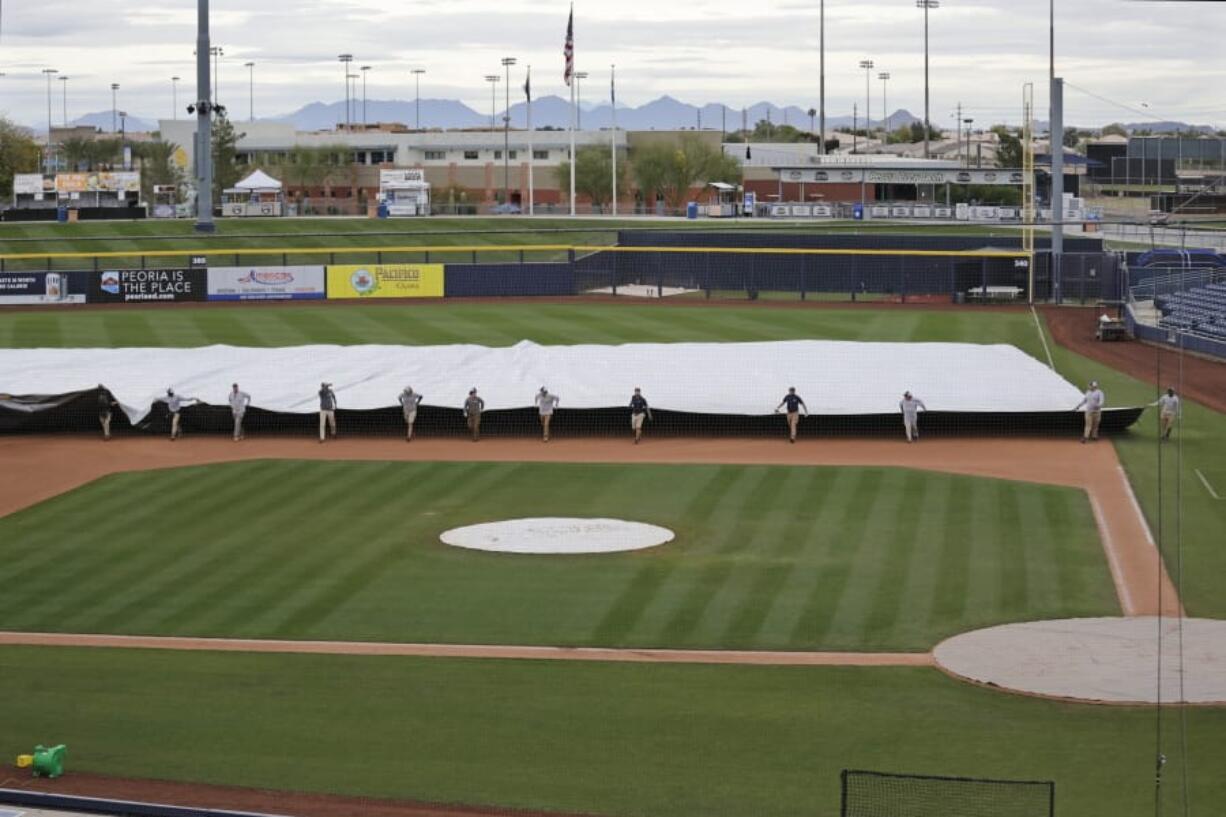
column 867, row 550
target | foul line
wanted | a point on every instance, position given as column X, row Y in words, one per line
column 1113, row 562
column 1051, row 364
column 1205, row 482
column 644, row 656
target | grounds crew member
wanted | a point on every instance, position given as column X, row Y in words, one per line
column 409, row 401
column 1168, row 411
column 910, row 407
column 473, row 407
column 175, row 404
column 794, row 405
column 546, row 403
column 327, row 411
column 1093, row 404
column 638, row 410
column 106, row 401
column 239, row 400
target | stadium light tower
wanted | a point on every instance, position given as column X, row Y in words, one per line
column 867, row 65
column 579, row 77
column 417, row 72
column 926, row 5
column 250, row 66
column 507, row 62
column 493, row 80
column 884, row 76
column 345, row 59
column 114, row 107
column 365, row 70
column 174, row 97
column 64, row 88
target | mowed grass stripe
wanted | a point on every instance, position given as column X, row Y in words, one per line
column 766, row 557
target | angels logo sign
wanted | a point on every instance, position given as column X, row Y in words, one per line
column 385, row 281
column 363, row 281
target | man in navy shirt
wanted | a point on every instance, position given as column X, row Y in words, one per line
column 794, row 406
column 638, row 410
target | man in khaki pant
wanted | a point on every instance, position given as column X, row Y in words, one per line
column 1093, row 403
column 546, row 403
column 1168, row 412
column 794, row 406
column 473, row 407
column 327, row 411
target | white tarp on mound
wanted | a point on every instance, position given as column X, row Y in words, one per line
column 833, row 377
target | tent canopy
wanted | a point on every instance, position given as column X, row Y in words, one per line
column 258, row 181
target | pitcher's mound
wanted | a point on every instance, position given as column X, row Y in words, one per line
column 551, row 535
column 1099, row 660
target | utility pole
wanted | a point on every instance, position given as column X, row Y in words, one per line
column 821, row 106
column 250, row 66
column 204, row 123
column 345, row 59
column 958, row 123
column 64, row 88
column 855, row 126
column 365, row 71
column 417, row 72
column 926, row 5
column 507, row 62
column 884, row 76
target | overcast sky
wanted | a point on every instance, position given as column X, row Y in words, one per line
column 1167, row 55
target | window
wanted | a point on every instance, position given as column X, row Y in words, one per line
column 498, row 155
column 472, row 154
column 436, row 155
column 540, row 154
column 514, row 155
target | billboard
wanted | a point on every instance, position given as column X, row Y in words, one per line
column 385, row 281
column 31, row 184
column 137, row 285
column 117, row 182
column 27, row 288
column 266, row 283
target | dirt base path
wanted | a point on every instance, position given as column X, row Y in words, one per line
column 38, row 468
column 1203, row 380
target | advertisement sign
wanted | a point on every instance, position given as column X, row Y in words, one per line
column 385, row 281
column 32, row 184
column 401, row 176
column 136, row 285
column 17, row 288
column 266, row 283
column 118, row 182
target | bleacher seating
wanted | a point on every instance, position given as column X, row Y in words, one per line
column 1201, row 309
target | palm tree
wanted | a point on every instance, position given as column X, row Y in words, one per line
column 813, row 120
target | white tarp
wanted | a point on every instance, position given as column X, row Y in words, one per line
column 257, row 181
column 833, row 377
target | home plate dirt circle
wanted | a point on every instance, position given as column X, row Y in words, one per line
column 558, row 535
column 1099, row 660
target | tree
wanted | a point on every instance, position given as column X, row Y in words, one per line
column 1071, row 137
column 593, row 174
column 672, row 170
column 19, row 153
column 226, row 171
column 157, row 166
column 812, row 119
column 1115, row 129
column 1009, row 153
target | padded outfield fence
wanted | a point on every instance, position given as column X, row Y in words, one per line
column 778, row 272
column 883, row 794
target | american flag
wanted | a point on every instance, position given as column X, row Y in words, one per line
column 569, row 50
column 528, row 85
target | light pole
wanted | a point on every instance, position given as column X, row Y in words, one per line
column 968, row 121
column 217, row 51
column 493, row 80
column 926, row 5
column 250, row 66
column 203, row 109
column 582, row 75
column 174, row 97
column 507, row 62
column 821, row 105
column 123, row 138
column 114, row 107
column 64, row 89
column 884, row 76
column 867, row 65
column 365, row 71
column 417, row 72
column 345, row 60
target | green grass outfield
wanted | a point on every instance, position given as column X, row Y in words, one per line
column 765, row 557
column 618, row 739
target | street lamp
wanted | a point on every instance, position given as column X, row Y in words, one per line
column 493, row 80
column 345, row 60
column 507, row 62
column 365, row 69
column 417, row 72
column 64, row 88
column 250, row 66
column 926, row 5
column 174, row 97
column 48, row 72
column 867, row 65
column 217, row 51
column 884, row 76
column 581, row 75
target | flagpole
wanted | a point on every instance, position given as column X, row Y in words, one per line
column 572, row 148
column 569, row 76
column 531, row 153
column 613, row 100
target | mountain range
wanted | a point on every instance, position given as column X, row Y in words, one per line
column 665, row 113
